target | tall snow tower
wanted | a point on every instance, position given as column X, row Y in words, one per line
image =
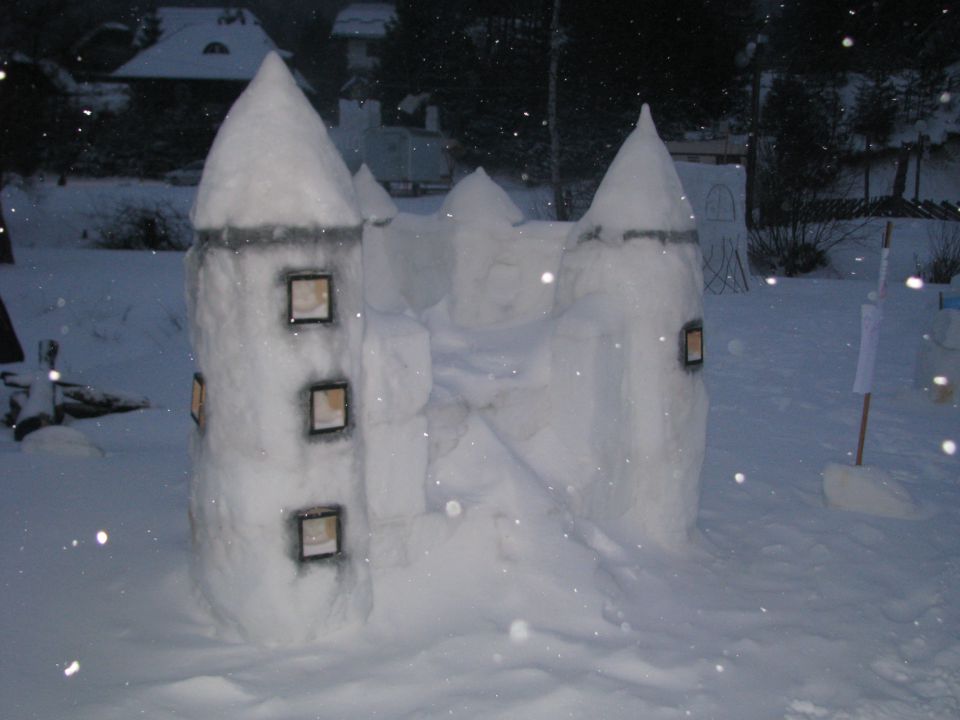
column 628, row 399
column 275, row 296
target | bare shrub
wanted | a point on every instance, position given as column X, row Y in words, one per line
column 944, row 262
column 157, row 226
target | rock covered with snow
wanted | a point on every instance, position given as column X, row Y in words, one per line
column 376, row 205
column 273, row 164
column 641, row 191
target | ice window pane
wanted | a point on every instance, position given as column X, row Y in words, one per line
column 328, row 408
column 310, row 299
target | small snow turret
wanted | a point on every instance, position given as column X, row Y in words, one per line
column 628, row 401
column 491, row 281
column 376, row 205
column 275, row 296
column 478, row 201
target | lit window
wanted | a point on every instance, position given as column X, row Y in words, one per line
column 329, row 407
column 318, row 533
column 309, row 298
column 691, row 340
column 198, row 399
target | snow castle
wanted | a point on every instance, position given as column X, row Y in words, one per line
column 331, row 457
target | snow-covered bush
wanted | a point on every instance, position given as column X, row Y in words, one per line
column 157, row 226
column 944, row 259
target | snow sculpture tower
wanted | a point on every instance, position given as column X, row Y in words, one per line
column 275, row 295
column 627, row 396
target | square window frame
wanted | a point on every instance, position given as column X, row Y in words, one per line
column 322, row 387
column 198, row 400
column 331, row 310
column 694, row 327
column 316, row 513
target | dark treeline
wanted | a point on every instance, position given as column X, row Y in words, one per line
column 485, row 64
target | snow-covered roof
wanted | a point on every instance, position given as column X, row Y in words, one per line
column 199, row 44
column 364, row 20
column 272, row 163
column 174, row 19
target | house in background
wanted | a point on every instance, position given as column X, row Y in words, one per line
column 221, row 49
column 361, row 28
column 717, row 151
column 192, row 64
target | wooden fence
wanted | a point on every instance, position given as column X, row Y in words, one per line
column 884, row 207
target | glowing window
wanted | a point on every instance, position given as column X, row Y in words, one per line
column 309, row 298
column 692, row 344
column 329, row 407
column 318, row 533
column 198, row 399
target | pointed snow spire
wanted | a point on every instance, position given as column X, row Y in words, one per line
column 641, row 192
column 273, row 164
column 478, row 200
column 376, row 205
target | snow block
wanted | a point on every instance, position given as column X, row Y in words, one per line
column 866, row 490
column 420, row 256
column 397, row 384
column 938, row 359
column 396, row 367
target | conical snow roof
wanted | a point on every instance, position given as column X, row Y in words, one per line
column 375, row 203
column 641, row 192
column 477, row 200
column 273, row 164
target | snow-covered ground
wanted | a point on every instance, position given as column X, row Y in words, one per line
column 783, row 608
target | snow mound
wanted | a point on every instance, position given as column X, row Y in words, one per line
column 866, row 490
column 938, row 360
column 641, row 191
column 478, row 201
column 376, row 205
column 60, row 440
column 272, row 162
column 946, row 328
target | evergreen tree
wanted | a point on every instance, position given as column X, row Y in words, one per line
column 874, row 118
column 807, row 139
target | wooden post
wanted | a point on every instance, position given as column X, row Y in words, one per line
column 863, row 428
column 866, row 396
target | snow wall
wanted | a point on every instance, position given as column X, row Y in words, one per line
column 455, row 465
